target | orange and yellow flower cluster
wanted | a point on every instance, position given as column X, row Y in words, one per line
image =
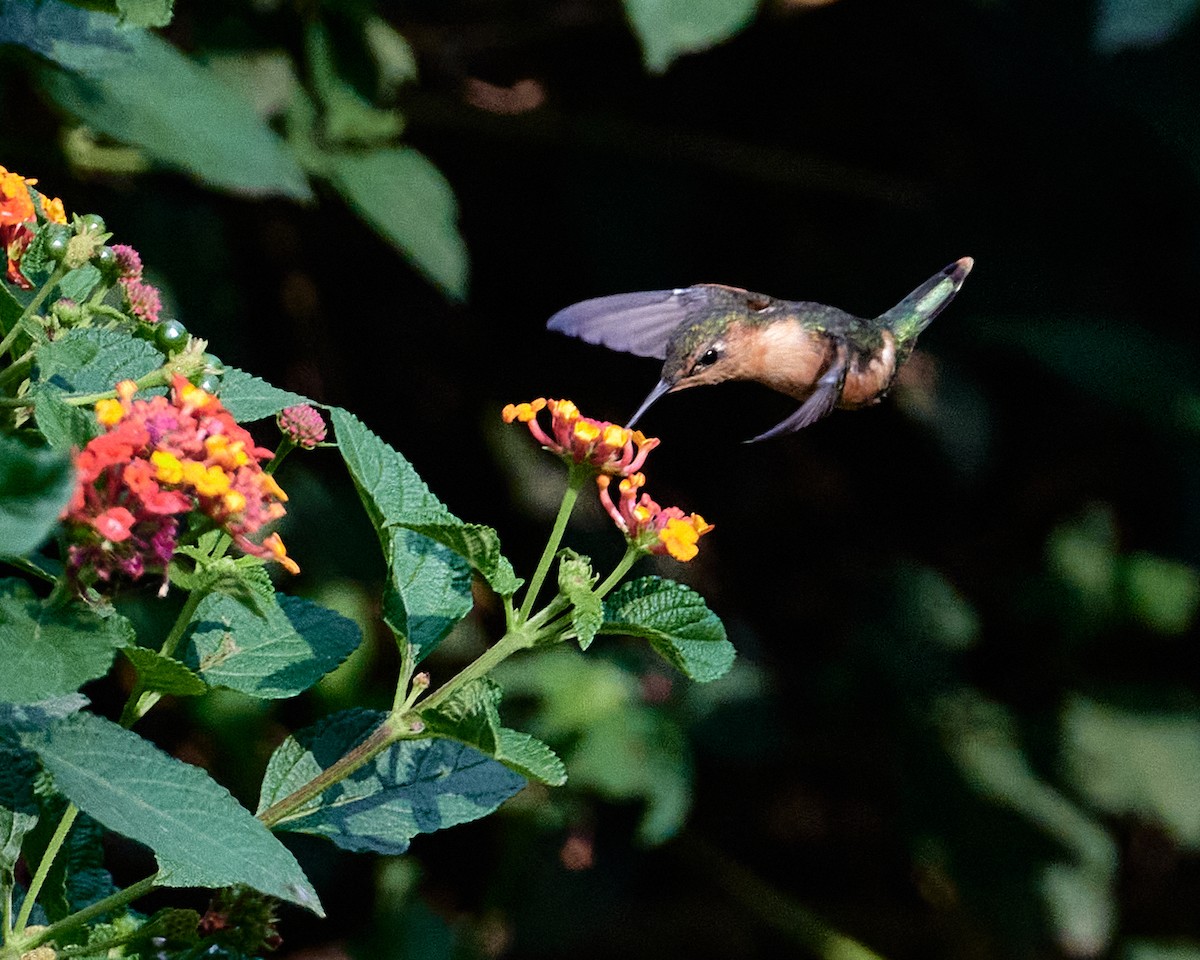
column 614, row 451
column 158, row 461
column 18, row 217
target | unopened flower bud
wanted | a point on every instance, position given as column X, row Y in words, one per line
column 302, row 425
column 420, row 681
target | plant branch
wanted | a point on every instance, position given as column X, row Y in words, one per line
column 80, row 917
column 39, row 879
column 576, row 477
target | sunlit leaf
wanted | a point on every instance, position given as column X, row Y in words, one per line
column 90, row 360
column 249, row 398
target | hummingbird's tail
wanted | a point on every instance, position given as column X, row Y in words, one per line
column 916, row 311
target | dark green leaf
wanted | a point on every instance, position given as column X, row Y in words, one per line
column 52, row 650
column 478, row 545
column 64, row 426
column 676, row 621
column 248, row 398
column 429, row 586
column 668, row 29
column 469, row 716
column 408, row 201
column 80, row 282
column 415, row 786
column 201, row 836
column 13, row 827
column 577, row 582
column 348, row 118
column 278, row 652
column 530, row 757
column 89, row 360
column 19, row 767
column 245, row 579
column 163, row 674
column 134, row 87
column 35, row 485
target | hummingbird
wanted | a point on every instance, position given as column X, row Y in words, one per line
column 710, row 333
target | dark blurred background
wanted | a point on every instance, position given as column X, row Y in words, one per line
column 963, row 724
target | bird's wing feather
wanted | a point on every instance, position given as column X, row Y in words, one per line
column 819, row 404
column 638, row 323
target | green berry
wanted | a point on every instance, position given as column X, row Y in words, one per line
column 57, row 239
column 209, row 383
column 91, row 223
column 106, row 260
column 170, row 335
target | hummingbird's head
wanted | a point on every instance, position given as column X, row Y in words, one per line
column 699, row 353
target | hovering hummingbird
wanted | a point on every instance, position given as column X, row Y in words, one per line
column 710, row 333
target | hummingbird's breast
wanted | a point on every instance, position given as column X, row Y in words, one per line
column 787, row 356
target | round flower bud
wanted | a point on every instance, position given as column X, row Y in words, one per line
column 302, row 425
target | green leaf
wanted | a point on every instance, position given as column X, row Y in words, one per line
column 278, row 652
column 77, row 284
column 530, row 757
column 667, row 29
column 88, row 360
column 407, row 200
column 394, row 57
column 479, row 545
column 64, row 426
column 163, row 674
column 248, row 398
column 146, row 13
column 471, row 716
column 577, row 583
column 348, row 119
column 1162, row 593
column 415, row 786
column 429, row 586
column 1141, row 764
column 18, row 767
column 676, row 621
column 245, row 578
column 1121, row 24
column 13, row 827
column 201, row 836
column 136, row 88
column 35, row 486
column 52, row 650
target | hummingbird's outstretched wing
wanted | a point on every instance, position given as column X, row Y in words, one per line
column 638, row 323
column 820, row 402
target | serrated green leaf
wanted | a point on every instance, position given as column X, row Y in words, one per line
column 676, row 621
column 146, row 13
column 248, row 398
column 18, row 766
column 134, row 87
column 277, row 653
column 428, row 590
column 407, row 200
column 245, row 578
column 530, row 757
column 52, row 650
column 88, row 360
column 35, row 485
column 163, row 674
column 479, row 545
column 415, row 786
column 200, row 835
column 429, row 586
column 668, row 29
column 577, row 582
column 80, row 282
column 64, row 426
column 469, row 716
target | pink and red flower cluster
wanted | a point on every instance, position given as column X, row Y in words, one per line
column 158, row 461
column 18, row 218
column 614, row 451
column 141, row 299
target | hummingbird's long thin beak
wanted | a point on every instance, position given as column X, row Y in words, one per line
column 658, row 391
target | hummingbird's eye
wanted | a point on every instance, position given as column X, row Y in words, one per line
column 709, row 357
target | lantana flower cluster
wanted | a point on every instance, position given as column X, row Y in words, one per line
column 18, row 219
column 159, row 461
column 141, row 298
column 614, row 451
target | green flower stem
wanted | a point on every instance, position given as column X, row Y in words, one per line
column 80, row 917
column 59, row 272
column 141, row 701
column 390, row 731
column 405, row 696
column 6, row 919
column 43, row 870
column 577, row 476
column 633, row 553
